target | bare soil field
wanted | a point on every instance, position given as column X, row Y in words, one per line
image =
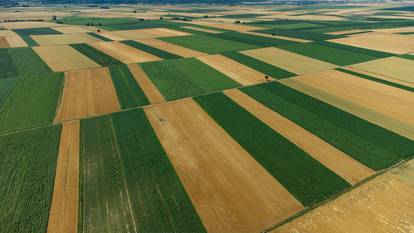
column 148, row 33
column 393, row 67
column 389, row 107
column 87, row 93
column 385, row 42
column 229, row 189
column 171, row 48
column 236, row 71
column 63, row 58
column 151, row 92
column 292, row 62
column 408, row 84
column 62, row 39
column 63, row 216
column 382, row 205
column 340, row 163
column 124, row 53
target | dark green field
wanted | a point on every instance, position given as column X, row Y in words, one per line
column 32, row 103
column 6, row 86
column 258, row 65
column 27, row 174
column 259, row 41
column 128, row 91
column 185, row 77
column 293, row 168
column 99, row 57
column 98, row 36
column 154, row 51
column 208, row 44
column 36, row 31
column 307, row 35
column 369, row 144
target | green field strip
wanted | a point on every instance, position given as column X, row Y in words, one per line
column 95, row 21
column 21, row 61
column 36, row 31
column 377, row 80
column 307, row 35
column 373, row 146
column 29, row 40
column 198, row 32
column 32, row 103
column 407, row 56
column 99, row 57
column 154, row 51
column 259, row 41
column 295, row 26
column 99, row 36
column 103, row 200
column 304, row 177
column 207, row 44
column 159, row 200
column 128, row 91
column 27, row 174
column 328, row 54
column 143, row 25
column 6, row 87
column 260, row 66
column 359, row 50
column 242, row 16
column 186, row 77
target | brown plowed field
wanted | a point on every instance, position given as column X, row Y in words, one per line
column 63, row 216
column 340, row 163
column 387, row 106
column 382, row 205
column 236, row 71
column 87, row 93
column 231, row 192
column 151, row 92
column 171, row 48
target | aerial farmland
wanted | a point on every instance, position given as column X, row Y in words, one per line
column 216, row 118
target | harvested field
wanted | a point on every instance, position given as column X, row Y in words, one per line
column 394, row 67
column 63, row 39
column 27, row 175
column 292, row 62
column 236, row 71
column 31, row 103
column 382, row 205
column 386, row 42
column 185, row 77
column 12, row 39
column 124, row 53
column 151, row 92
column 171, row 48
column 87, row 93
column 74, row 29
column 4, row 43
column 64, row 57
column 369, row 100
column 63, row 215
column 148, row 33
column 371, row 145
column 340, row 163
column 229, row 189
column 29, row 24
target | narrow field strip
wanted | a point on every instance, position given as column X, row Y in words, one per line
column 63, row 214
column 98, row 36
column 229, row 189
column 87, row 93
column 340, row 163
column 124, row 53
column 128, row 91
column 289, row 61
column 171, row 48
column 236, row 71
column 148, row 33
column 158, row 200
column 252, row 39
column 150, row 90
column 95, row 55
column 27, row 171
column 63, row 39
column 154, row 51
column 371, row 145
column 104, row 201
column 364, row 98
column 298, row 172
column 186, row 77
column 201, row 29
column 31, row 103
column 278, row 37
column 64, row 58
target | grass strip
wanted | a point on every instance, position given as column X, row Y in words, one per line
column 368, row 143
column 154, row 51
column 128, row 91
column 293, row 168
column 29, row 40
column 96, row 55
